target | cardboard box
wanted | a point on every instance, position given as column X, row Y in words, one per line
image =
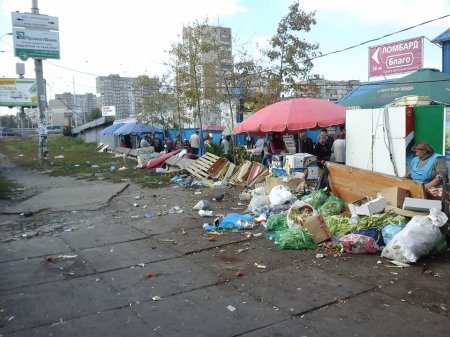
column 278, row 161
column 367, row 206
column 291, row 182
column 300, row 160
column 421, row 205
column 395, row 196
column 317, row 228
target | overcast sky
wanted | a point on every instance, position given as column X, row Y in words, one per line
column 131, row 38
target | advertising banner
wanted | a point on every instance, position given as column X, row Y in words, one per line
column 396, row 58
column 34, row 43
column 108, row 111
column 18, row 92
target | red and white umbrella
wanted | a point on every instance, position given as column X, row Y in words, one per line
column 293, row 115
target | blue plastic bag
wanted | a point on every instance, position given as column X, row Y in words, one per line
column 389, row 231
column 236, row 221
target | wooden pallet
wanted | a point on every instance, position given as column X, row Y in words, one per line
column 201, row 166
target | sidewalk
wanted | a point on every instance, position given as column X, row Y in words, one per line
column 122, row 270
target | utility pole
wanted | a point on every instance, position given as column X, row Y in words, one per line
column 42, row 128
column 20, row 70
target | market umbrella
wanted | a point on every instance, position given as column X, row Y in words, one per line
column 424, row 82
column 110, row 129
column 292, row 115
column 135, row 129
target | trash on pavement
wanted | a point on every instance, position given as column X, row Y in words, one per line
column 204, row 213
column 294, row 238
column 202, row 205
column 357, row 243
column 417, row 239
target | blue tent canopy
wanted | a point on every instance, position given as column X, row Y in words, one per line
column 110, row 129
column 136, row 129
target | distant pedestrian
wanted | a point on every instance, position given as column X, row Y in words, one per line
column 195, row 142
column 145, row 141
column 226, row 145
column 338, row 149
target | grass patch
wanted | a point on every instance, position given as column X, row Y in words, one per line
column 7, row 189
column 71, row 157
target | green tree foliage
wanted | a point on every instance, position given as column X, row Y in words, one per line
column 93, row 115
column 290, row 54
column 9, row 121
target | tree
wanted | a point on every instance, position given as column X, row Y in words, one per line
column 93, row 115
column 290, row 55
column 196, row 73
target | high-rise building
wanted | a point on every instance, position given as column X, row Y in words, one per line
column 77, row 105
column 215, row 61
column 119, row 92
column 334, row 90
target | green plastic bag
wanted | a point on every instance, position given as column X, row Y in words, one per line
column 333, row 206
column 277, row 222
column 294, row 238
column 316, row 198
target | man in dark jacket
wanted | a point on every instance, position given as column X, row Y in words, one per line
column 305, row 144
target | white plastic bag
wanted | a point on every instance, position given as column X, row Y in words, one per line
column 279, row 195
column 417, row 239
column 258, row 200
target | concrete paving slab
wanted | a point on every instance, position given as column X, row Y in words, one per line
column 48, row 303
column 101, row 234
column 113, row 323
column 212, row 311
column 375, row 314
column 164, row 224
column 172, row 277
column 16, row 250
column 77, row 198
column 241, row 258
column 291, row 327
column 127, row 254
column 194, row 240
column 430, row 291
column 299, row 289
column 14, row 274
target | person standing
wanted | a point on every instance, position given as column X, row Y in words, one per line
column 195, row 142
column 226, row 145
column 144, row 141
column 323, row 152
column 338, row 149
column 305, row 145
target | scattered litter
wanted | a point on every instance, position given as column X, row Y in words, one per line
column 134, row 216
column 443, row 307
column 150, row 215
column 399, row 264
column 67, row 256
column 11, row 318
column 152, row 275
column 239, row 274
column 198, row 192
column 137, row 197
column 212, row 238
column 218, row 197
column 183, row 232
column 238, row 251
column 168, row 240
column 141, row 265
column 76, row 165
column 59, row 157
column 231, row 308
column 260, row 266
column 319, row 256
column 202, row 205
column 257, row 235
column 204, row 213
column 175, row 209
column 112, row 168
column 135, row 205
column 122, row 168
column 156, row 298
column 95, row 166
column 379, row 262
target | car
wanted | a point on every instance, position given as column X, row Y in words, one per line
column 7, row 131
column 55, row 129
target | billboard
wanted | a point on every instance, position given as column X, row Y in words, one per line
column 38, row 44
column 18, row 92
column 396, row 58
column 108, row 110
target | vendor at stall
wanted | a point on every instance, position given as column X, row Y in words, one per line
column 428, row 166
column 277, row 145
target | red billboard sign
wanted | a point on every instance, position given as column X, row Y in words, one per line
column 396, row 58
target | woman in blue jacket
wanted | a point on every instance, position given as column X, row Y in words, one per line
column 428, row 167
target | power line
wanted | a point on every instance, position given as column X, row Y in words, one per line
column 381, row 37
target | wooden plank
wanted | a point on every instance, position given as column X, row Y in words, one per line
column 350, row 183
